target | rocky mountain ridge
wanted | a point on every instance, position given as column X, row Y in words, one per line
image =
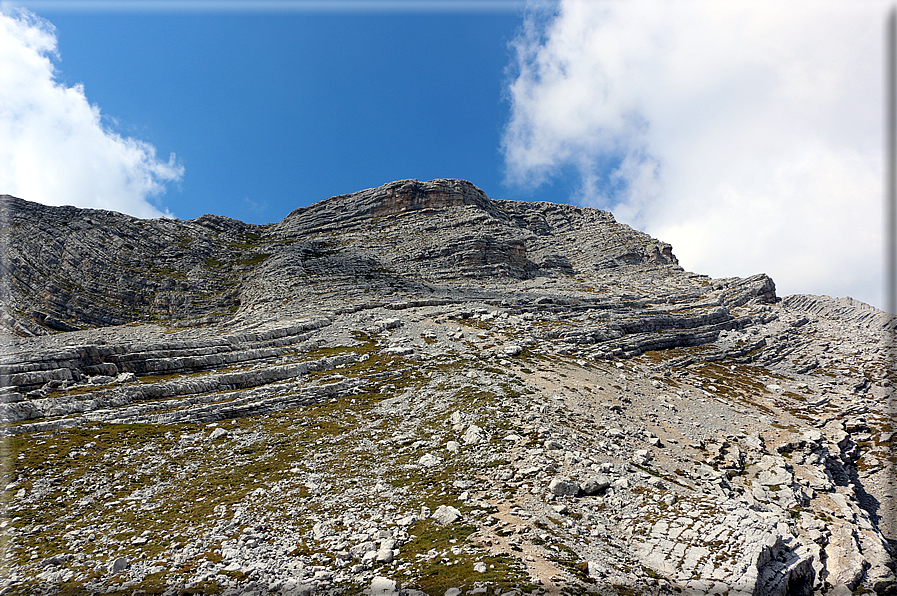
column 419, row 389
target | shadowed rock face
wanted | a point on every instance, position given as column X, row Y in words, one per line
column 419, row 390
column 65, row 268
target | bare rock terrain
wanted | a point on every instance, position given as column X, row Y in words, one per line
column 416, row 389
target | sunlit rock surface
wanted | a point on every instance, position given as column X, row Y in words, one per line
column 416, row 389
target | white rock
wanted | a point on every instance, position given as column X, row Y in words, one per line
column 596, row 570
column 360, row 550
column 512, row 349
column 125, row 377
column 766, row 462
column 641, row 457
column 446, row 514
column 387, row 543
column 385, row 555
column 621, row 483
column 383, row 586
column 453, row 446
column 384, row 324
column 595, row 484
column 294, row 588
column 774, row 476
column 479, row 567
column 812, row 436
column 428, row 460
column 473, row 435
column 321, row 529
column 369, row 556
column 218, row 433
column 407, row 520
column 399, row 351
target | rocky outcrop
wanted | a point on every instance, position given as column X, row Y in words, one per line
column 65, row 268
column 68, row 268
column 419, row 390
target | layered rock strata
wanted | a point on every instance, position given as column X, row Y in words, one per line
column 417, row 389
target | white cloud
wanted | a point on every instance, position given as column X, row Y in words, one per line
column 54, row 148
column 746, row 134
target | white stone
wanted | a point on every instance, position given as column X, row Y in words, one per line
column 446, row 514
column 774, row 476
column 812, row 436
column 399, row 351
column 428, row 460
column 512, row 350
column 407, row 520
column 473, row 435
column 125, row 377
column 385, row 555
column 383, row 586
column 360, row 550
column 369, row 556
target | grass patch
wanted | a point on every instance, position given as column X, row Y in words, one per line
column 437, row 569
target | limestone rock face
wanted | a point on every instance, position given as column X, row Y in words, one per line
column 68, row 268
column 416, row 389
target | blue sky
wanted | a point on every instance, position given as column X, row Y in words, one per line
column 746, row 134
column 267, row 113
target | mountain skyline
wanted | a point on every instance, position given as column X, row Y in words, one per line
column 747, row 136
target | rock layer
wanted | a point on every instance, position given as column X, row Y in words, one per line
column 417, row 389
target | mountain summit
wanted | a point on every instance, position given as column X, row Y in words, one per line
column 70, row 268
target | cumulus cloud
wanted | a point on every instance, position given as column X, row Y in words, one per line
column 54, row 147
column 746, row 134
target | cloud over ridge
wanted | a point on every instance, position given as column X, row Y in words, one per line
column 747, row 134
column 54, row 147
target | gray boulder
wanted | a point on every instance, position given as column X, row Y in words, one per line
column 563, row 487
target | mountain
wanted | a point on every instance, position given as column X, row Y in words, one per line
column 417, row 389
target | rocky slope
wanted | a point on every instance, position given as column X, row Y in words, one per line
column 417, row 389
